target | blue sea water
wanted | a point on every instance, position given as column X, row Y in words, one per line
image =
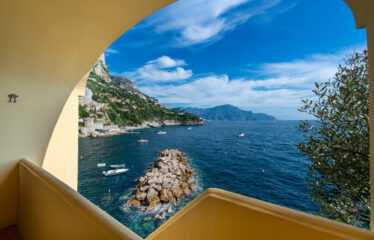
column 264, row 164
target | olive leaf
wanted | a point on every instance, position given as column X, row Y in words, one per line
column 337, row 143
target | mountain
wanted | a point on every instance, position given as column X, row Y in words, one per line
column 127, row 85
column 115, row 101
column 227, row 112
column 100, row 68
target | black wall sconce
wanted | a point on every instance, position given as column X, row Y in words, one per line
column 12, row 97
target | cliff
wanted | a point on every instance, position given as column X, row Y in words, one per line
column 116, row 101
column 166, row 181
column 100, row 68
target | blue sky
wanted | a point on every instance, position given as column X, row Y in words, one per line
column 262, row 56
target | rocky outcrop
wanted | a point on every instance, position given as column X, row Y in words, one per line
column 130, row 87
column 166, row 181
column 85, row 132
column 101, row 69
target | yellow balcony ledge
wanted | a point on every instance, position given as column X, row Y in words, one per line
column 218, row 214
column 50, row 209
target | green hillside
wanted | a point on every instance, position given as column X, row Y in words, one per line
column 127, row 106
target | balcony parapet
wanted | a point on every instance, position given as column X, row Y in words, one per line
column 49, row 209
column 218, row 214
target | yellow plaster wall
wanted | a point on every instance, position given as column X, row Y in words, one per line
column 61, row 157
column 221, row 215
column 46, row 47
column 49, row 209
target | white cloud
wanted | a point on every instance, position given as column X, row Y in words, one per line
column 202, row 21
column 111, row 51
column 161, row 70
column 166, row 62
column 274, row 85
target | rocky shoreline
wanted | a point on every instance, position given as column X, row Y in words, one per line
column 85, row 132
column 166, row 181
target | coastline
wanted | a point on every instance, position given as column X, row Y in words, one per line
column 85, row 132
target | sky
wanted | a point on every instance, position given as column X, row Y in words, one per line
column 259, row 55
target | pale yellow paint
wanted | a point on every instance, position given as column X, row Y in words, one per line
column 362, row 11
column 46, row 47
column 64, row 140
column 49, row 209
column 221, row 215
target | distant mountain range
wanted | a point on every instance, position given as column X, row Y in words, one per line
column 226, row 112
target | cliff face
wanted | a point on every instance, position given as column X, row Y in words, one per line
column 100, row 68
column 127, row 85
column 117, row 101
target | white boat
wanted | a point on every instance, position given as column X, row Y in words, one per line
column 115, row 172
column 241, row 135
column 189, row 128
column 101, row 164
column 161, row 132
column 116, row 165
column 142, row 140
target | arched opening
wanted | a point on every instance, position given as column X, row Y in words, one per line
column 259, row 165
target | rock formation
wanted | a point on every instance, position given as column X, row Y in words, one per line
column 100, row 68
column 117, row 101
column 166, row 181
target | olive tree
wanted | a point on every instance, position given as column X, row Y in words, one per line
column 337, row 143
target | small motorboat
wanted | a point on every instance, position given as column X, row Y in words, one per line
column 240, row 135
column 114, row 172
column 161, row 132
column 116, row 165
column 101, row 164
column 143, row 140
column 189, row 128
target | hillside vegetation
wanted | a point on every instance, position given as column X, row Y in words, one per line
column 126, row 108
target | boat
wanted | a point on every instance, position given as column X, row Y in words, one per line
column 116, row 165
column 189, row 128
column 101, row 164
column 240, row 135
column 114, row 172
column 161, row 132
column 143, row 140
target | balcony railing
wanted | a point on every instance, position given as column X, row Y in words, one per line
column 218, row 214
column 49, row 209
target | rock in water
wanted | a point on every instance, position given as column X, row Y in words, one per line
column 165, row 181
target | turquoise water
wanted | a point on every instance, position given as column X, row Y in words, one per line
column 264, row 164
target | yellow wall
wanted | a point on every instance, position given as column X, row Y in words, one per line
column 221, row 215
column 64, row 140
column 46, row 47
column 49, row 209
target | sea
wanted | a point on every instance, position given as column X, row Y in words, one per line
column 264, row 164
